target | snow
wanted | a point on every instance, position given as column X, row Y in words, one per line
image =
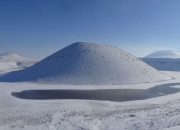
column 151, row 105
column 12, row 57
column 87, row 63
column 164, row 54
column 11, row 62
column 173, row 128
column 165, row 64
column 7, row 65
column 176, row 86
column 76, row 114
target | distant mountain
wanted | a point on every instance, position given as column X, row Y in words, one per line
column 164, row 54
column 88, row 63
column 12, row 57
column 12, row 61
column 164, row 64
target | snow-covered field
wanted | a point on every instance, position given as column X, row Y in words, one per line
column 75, row 114
column 147, row 99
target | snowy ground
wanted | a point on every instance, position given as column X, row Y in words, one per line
column 71, row 114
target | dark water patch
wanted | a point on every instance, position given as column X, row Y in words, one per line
column 118, row 95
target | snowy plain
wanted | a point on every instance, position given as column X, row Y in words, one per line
column 76, row 114
column 151, row 105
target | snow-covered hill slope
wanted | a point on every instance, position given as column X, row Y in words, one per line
column 165, row 64
column 12, row 61
column 164, row 54
column 87, row 63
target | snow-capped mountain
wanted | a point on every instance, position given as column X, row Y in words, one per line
column 12, row 61
column 12, row 57
column 164, row 54
column 87, row 63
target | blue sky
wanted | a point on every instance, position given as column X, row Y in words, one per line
column 37, row 28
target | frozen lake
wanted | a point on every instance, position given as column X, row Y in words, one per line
column 118, row 95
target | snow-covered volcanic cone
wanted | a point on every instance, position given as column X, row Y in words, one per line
column 87, row 63
column 164, row 54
